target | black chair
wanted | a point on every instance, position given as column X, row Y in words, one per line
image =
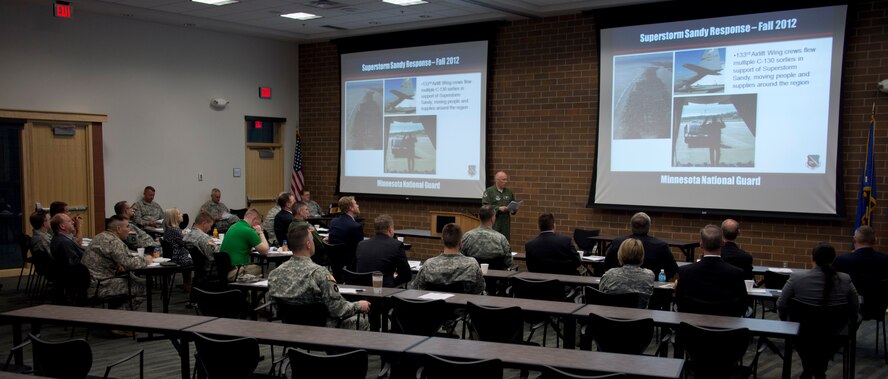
column 551, row 290
column 229, row 359
column 775, row 281
column 224, row 266
column 624, row 300
column 184, row 224
column 549, row 372
column 24, row 241
column 618, row 336
column 351, row 365
column 70, row 359
column 873, row 307
column 337, row 257
column 459, row 286
column 435, row 367
column 715, row 353
column 312, row 314
column 226, row 304
column 729, row 307
column 357, row 278
column 419, row 317
column 240, row 213
column 503, row 325
column 823, row 331
column 581, row 238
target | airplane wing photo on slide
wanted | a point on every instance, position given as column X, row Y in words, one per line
column 710, row 65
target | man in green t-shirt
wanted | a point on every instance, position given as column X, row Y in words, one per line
column 240, row 239
column 499, row 197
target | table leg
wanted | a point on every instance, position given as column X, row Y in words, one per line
column 17, row 340
column 186, row 359
column 570, row 333
column 149, row 283
column 787, row 359
column 165, row 293
column 688, row 253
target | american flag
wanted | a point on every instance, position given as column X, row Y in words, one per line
column 297, row 181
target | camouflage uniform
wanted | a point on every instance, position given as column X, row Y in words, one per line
column 268, row 224
column 40, row 241
column 629, row 279
column 146, row 212
column 216, row 210
column 142, row 238
column 314, row 209
column 484, row 243
column 448, row 268
column 103, row 257
column 495, row 198
column 203, row 242
column 302, row 281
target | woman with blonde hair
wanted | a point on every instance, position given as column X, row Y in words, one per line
column 630, row 277
column 172, row 235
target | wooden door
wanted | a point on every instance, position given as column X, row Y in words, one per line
column 264, row 176
column 60, row 167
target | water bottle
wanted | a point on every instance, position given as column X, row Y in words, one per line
column 284, row 246
column 662, row 276
column 215, row 233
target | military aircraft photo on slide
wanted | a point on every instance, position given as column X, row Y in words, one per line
column 399, row 96
column 699, row 71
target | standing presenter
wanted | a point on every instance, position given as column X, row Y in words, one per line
column 499, row 197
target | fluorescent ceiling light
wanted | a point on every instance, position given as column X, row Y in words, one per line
column 216, row 2
column 301, row 16
column 405, row 3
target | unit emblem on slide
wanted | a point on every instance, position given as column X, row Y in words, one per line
column 813, row 161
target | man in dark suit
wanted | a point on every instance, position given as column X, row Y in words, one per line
column 866, row 266
column 346, row 230
column 732, row 253
column 384, row 253
column 283, row 219
column 549, row 252
column 711, row 279
column 657, row 255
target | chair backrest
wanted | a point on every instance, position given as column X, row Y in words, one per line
column 65, row 359
column 625, row 300
column 337, row 258
column 312, row 314
column 503, row 325
column 418, row 317
column 184, row 224
column 200, row 262
column 581, row 238
column 875, row 304
column 775, row 280
column 43, row 263
column 620, row 336
column 538, row 289
column 819, row 321
column 166, row 248
column 223, row 265
column 493, row 263
column 459, row 286
column 240, row 213
column 549, row 372
column 714, row 353
column 357, row 278
column 24, row 241
column 729, row 307
column 351, row 365
column 227, row 304
column 435, row 367
column 235, row 358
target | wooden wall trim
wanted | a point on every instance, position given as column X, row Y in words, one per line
column 98, row 174
column 52, row 116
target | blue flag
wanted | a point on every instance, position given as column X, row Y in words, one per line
column 866, row 199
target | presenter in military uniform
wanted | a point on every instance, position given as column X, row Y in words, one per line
column 499, row 196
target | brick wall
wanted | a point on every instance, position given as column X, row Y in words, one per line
column 542, row 115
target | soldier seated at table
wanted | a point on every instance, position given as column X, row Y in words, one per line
column 199, row 238
column 108, row 257
column 147, row 212
column 220, row 212
column 301, row 281
column 451, row 266
column 137, row 238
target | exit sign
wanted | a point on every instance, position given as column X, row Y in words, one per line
column 62, row 9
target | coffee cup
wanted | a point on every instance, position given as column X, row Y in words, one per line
column 750, row 284
column 484, row 267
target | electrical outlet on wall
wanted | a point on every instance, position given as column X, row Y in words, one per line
column 199, row 176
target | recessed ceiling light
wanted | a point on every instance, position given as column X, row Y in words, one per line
column 425, row 16
column 373, row 22
column 215, row 2
column 405, row 3
column 301, row 16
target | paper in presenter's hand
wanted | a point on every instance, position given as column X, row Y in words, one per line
column 514, row 205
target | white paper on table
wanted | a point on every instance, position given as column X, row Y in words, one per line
column 262, row 283
column 436, row 296
column 414, row 264
column 780, row 270
column 348, row 290
column 594, row 258
column 227, row 215
column 757, row 290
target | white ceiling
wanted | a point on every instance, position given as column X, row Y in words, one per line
column 354, row 17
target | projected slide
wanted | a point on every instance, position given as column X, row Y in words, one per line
column 730, row 113
column 413, row 121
